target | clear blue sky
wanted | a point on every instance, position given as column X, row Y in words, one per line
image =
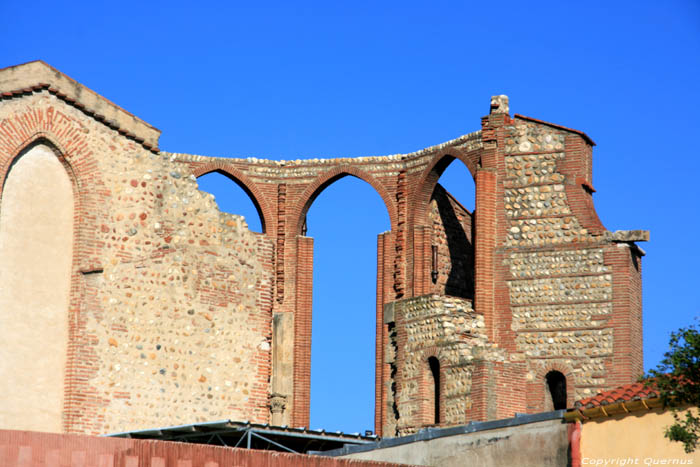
column 294, row 80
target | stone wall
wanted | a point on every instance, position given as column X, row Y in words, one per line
column 178, row 314
column 560, row 281
column 169, row 314
column 539, row 443
column 452, row 238
column 283, row 191
column 448, row 329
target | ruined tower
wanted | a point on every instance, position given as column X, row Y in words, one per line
column 171, row 312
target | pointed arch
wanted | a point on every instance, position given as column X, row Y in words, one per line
column 444, row 232
column 39, row 212
column 89, row 224
column 326, row 179
column 304, row 281
column 48, row 140
column 247, row 185
column 429, row 179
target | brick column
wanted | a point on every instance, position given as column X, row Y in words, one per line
column 422, row 283
column 626, row 321
column 484, row 245
column 302, row 331
column 379, row 341
column 385, row 261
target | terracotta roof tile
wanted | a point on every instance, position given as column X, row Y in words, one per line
column 628, row 392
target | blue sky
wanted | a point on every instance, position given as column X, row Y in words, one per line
column 339, row 79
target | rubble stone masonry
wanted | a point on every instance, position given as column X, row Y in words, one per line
column 177, row 313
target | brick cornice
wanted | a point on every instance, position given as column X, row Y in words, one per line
column 37, row 76
column 41, row 87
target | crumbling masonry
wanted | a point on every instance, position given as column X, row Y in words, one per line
column 129, row 301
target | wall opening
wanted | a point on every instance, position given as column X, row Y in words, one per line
column 36, row 248
column 451, row 216
column 434, row 365
column 344, row 221
column 231, row 197
column 556, row 385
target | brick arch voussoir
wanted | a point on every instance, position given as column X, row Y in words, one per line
column 440, row 353
column 563, row 368
column 429, row 178
column 256, row 196
column 80, row 168
column 326, row 179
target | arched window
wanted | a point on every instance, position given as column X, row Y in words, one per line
column 434, row 365
column 556, row 384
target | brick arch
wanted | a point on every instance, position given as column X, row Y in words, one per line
column 36, row 139
column 538, row 388
column 240, row 179
column 429, row 178
column 433, row 351
column 326, row 179
column 81, row 170
column 83, row 197
column 439, row 354
column 304, row 262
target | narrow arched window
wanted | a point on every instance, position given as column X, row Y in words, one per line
column 556, row 383
column 434, row 365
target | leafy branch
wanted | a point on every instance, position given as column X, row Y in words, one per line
column 677, row 377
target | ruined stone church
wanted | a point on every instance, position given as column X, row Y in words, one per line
column 129, row 301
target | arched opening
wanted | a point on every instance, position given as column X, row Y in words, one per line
column 556, row 384
column 233, row 197
column 434, row 389
column 450, row 216
column 344, row 221
column 36, row 248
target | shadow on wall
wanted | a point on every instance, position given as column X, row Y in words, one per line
column 456, row 221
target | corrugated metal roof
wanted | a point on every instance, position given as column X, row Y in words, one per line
column 252, row 435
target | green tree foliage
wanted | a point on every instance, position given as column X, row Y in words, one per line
column 677, row 378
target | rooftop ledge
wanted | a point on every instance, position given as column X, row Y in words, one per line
column 627, row 236
column 28, row 75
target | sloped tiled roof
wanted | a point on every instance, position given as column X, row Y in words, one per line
column 625, row 393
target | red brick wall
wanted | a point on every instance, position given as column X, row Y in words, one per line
column 32, row 449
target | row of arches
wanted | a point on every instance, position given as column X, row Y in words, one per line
column 337, row 313
column 255, row 214
column 344, row 214
column 440, row 167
